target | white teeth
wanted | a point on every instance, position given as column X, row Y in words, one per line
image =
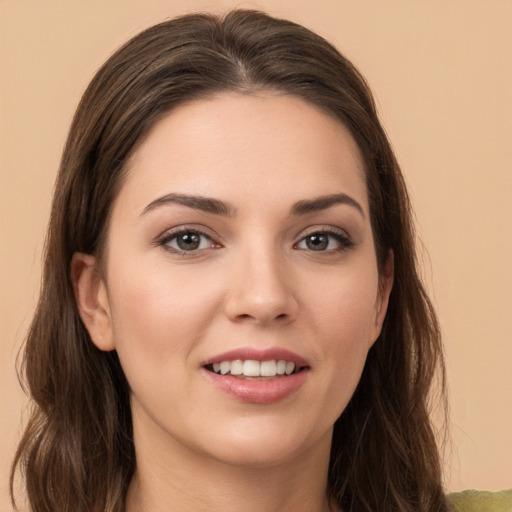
column 268, row 369
column 225, row 366
column 237, row 367
column 253, row 368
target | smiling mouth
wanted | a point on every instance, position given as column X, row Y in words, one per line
column 252, row 369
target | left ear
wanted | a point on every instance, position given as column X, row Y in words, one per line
column 385, row 285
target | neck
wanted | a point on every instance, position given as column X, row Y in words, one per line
column 178, row 479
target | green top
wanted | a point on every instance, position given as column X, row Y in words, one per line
column 481, row 501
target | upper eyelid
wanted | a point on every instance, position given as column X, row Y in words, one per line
column 324, row 229
column 194, row 228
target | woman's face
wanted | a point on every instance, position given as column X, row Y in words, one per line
column 240, row 242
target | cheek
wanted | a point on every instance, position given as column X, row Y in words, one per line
column 158, row 314
column 343, row 306
column 343, row 313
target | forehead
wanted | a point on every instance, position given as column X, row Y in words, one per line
column 233, row 146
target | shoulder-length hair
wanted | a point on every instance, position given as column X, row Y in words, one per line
column 77, row 453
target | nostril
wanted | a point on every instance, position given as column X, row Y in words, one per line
column 261, row 307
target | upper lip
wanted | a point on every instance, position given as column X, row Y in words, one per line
column 256, row 354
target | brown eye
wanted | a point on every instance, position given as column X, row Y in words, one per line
column 187, row 241
column 317, row 242
column 324, row 241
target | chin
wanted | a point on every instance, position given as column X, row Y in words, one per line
column 256, row 457
column 265, row 446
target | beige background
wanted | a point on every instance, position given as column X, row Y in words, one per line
column 442, row 74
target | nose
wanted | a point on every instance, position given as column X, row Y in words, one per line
column 260, row 290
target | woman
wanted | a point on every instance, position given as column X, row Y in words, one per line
column 231, row 316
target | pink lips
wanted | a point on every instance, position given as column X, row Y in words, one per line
column 255, row 390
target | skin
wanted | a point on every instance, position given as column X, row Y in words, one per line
column 254, row 281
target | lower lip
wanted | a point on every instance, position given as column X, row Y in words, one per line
column 258, row 391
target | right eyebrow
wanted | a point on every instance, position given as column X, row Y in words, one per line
column 205, row 204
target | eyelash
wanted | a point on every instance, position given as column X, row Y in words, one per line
column 342, row 239
column 165, row 240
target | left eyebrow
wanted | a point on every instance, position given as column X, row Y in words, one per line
column 323, row 203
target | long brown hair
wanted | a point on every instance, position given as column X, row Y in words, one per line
column 77, row 452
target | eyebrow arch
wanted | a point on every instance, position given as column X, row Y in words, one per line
column 206, row 204
column 217, row 207
column 323, row 202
